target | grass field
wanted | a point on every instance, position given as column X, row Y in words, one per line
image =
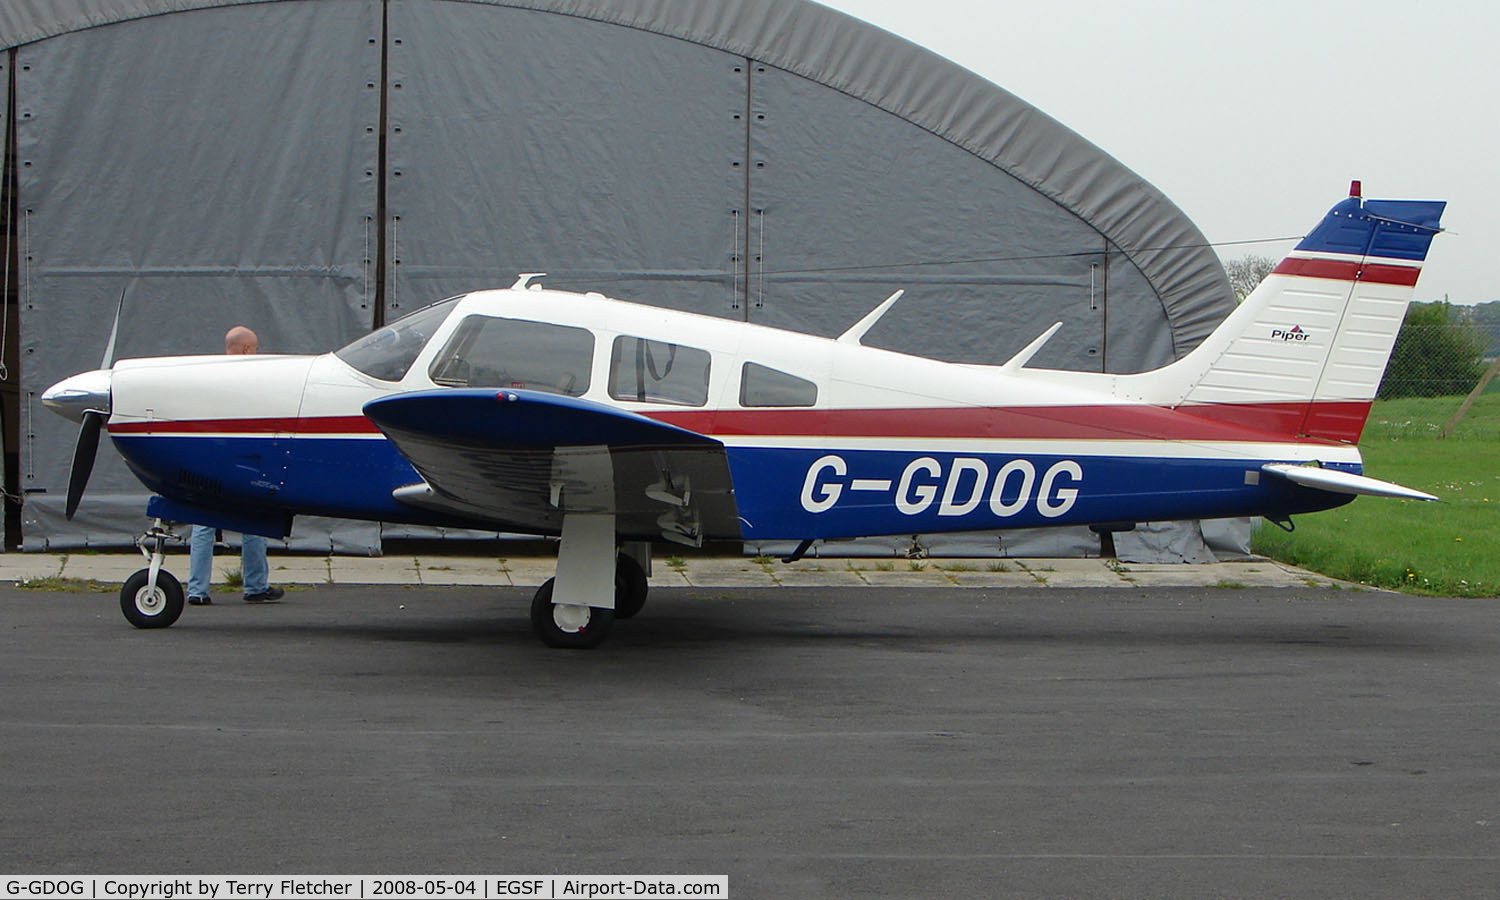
column 1450, row 548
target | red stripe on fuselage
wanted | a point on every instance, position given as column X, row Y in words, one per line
column 318, row 425
column 1349, row 270
column 1331, row 421
column 1204, row 422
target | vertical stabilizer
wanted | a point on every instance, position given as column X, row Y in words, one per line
column 1304, row 353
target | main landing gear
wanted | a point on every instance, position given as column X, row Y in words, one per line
column 579, row 627
column 577, row 608
column 152, row 597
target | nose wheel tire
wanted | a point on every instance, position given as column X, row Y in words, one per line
column 146, row 607
column 566, row 625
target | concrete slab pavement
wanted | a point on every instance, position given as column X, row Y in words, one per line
column 688, row 571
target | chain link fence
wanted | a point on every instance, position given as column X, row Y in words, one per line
column 1442, row 350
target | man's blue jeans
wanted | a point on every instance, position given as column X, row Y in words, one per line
column 253, row 563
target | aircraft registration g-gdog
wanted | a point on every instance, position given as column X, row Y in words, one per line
column 615, row 425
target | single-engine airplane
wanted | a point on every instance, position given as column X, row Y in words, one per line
column 614, row 425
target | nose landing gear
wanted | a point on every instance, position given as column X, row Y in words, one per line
column 152, row 597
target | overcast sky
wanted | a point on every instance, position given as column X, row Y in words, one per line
column 1253, row 118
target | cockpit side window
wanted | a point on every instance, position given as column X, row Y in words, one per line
column 764, row 386
column 388, row 352
column 488, row 351
column 658, row 372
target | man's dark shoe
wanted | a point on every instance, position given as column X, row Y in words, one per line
column 269, row 595
column 199, row 601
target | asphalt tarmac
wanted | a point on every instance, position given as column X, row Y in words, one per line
column 827, row 742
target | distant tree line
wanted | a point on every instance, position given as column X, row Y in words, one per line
column 1246, row 272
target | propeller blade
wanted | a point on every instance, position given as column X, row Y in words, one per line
column 114, row 332
column 83, row 460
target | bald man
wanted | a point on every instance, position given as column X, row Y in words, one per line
column 238, row 341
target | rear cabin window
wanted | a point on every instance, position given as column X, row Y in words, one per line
column 658, row 372
column 488, row 351
column 764, row 386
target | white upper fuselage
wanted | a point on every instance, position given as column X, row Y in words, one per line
column 847, row 375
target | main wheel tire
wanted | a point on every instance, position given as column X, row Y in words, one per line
column 552, row 625
column 147, row 608
column 630, row 587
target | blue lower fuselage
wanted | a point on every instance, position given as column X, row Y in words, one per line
column 780, row 493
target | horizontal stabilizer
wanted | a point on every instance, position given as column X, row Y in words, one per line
column 1342, row 482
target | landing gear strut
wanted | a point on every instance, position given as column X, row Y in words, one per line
column 152, row 598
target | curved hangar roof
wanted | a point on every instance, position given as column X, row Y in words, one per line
column 882, row 70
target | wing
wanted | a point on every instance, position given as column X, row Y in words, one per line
column 520, row 459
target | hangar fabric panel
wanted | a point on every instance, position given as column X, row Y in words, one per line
column 524, row 141
column 837, row 226
column 315, row 169
column 214, row 168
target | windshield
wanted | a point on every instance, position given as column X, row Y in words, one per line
column 388, row 352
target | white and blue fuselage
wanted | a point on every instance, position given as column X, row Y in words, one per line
column 889, row 444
